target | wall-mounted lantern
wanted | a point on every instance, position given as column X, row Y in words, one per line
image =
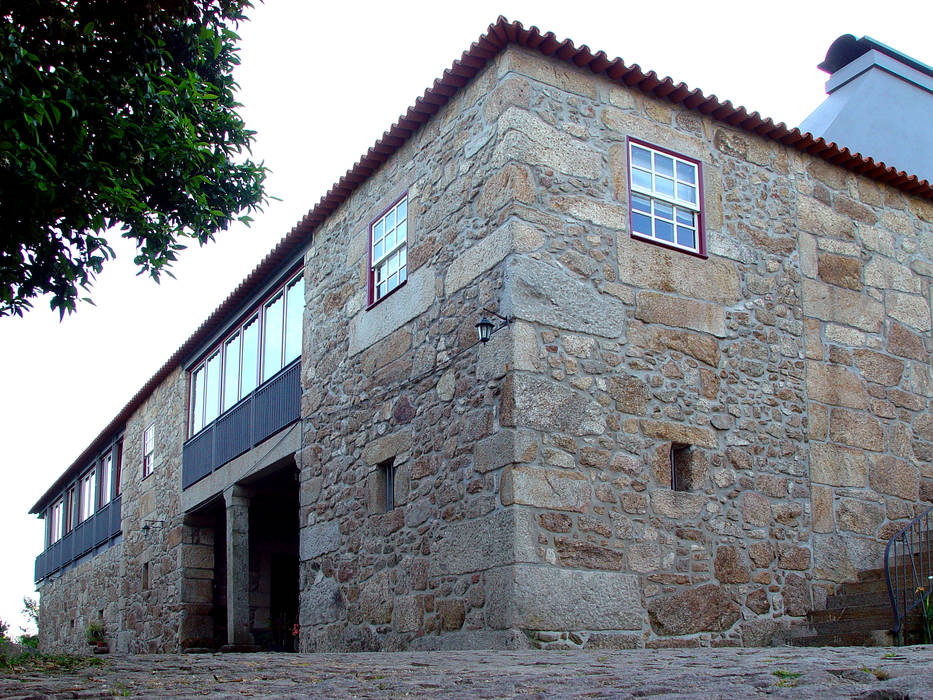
column 149, row 525
column 485, row 328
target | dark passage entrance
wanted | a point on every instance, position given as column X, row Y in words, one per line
column 241, row 576
column 273, row 560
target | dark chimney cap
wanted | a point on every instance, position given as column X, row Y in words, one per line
column 847, row 48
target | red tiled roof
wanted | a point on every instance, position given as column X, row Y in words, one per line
column 498, row 36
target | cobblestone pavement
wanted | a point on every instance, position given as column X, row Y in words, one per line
column 876, row 673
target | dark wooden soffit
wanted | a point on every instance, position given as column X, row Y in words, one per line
column 498, row 36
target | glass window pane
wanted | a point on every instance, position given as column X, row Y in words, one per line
column 272, row 337
column 294, row 317
column 641, row 179
column 106, row 475
column 87, row 496
column 685, row 237
column 118, row 469
column 403, row 209
column 664, row 230
column 686, row 172
column 390, row 240
column 377, row 250
column 640, row 203
column 231, row 371
column 378, row 230
column 641, row 157
column 212, row 389
column 197, row 400
column 686, row 193
column 401, row 232
column 390, row 220
column 664, row 186
column 664, row 210
column 402, row 274
column 641, row 223
column 685, row 217
column 250, row 357
column 664, row 165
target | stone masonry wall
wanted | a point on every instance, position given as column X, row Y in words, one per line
column 404, row 381
column 90, row 592
column 624, row 348
column 153, row 613
column 866, row 255
column 137, row 618
column 536, row 503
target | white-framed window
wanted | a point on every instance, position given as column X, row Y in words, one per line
column 148, row 449
column 86, row 495
column 55, row 522
column 666, row 198
column 388, row 237
column 69, row 522
column 106, row 478
column 268, row 340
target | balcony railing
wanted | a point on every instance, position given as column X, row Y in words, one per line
column 97, row 530
column 267, row 410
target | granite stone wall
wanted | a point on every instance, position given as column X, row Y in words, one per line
column 405, row 381
column 141, row 583
column 86, row 593
column 535, row 484
column 798, row 351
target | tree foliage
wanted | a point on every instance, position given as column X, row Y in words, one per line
column 115, row 115
column 31, row 610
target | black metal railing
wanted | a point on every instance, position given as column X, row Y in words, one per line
column 267, row 410
column 908, row 571
column 98, row 530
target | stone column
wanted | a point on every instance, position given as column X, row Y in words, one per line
column 237, row 499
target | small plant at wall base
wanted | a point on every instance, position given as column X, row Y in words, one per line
column 94, row 634
column 926, row 609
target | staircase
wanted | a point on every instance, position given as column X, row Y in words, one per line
column 882, row 607
column 857, row 614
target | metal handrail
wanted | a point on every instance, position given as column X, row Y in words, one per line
column 912, row 582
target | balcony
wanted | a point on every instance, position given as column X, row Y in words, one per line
column 267, row 410
column 98, row 530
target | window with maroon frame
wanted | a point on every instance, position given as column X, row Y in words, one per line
column 666, row 198
column 388, row 251
column 262, row 345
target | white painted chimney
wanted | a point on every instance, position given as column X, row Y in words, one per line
column 880, row 104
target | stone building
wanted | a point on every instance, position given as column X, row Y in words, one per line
column 709, row 403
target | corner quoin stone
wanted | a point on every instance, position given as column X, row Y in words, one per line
column 549, row 598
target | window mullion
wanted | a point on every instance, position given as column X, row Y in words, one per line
column 387, row 254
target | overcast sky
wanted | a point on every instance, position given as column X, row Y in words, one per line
column 320, row 82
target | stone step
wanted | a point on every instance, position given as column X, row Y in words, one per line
column 860, row 587
column 859, row 619
column 860, row 638
column 858, row 600
column 870, row 575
